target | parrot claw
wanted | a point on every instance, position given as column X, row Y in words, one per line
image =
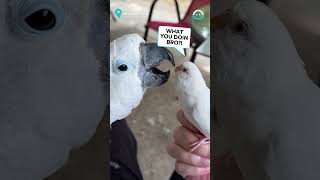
column 195, row 145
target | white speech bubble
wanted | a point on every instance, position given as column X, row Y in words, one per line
column 176, row 37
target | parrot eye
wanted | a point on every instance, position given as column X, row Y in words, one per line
column 123, row 67
column 240, row 27
column 36, row 17
column 41, row 20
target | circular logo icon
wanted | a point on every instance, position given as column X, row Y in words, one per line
column 197, row 15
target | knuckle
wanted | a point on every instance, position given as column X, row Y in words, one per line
column 173, row 151
column 180, row 168
column 195, row 160
column 185, row 157
column 197, row 171
column 169, row 148
column 204, row 150
column 207, row 151
column 176, row 133
column 188, row 158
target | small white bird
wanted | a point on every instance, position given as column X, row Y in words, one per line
column 194, row 98
column 132, row 70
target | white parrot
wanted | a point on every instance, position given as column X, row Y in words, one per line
column 194, row 98
column 132, row 70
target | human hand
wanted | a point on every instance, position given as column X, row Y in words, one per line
column 195, row 164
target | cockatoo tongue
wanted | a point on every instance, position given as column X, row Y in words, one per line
column 152, row 56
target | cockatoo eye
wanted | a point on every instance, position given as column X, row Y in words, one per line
column 37, row 16
column 41, row 20
column 123, row 67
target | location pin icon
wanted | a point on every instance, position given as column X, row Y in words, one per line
column 118, row 12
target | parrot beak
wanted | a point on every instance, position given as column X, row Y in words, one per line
column 219, row 21
column 152, row 56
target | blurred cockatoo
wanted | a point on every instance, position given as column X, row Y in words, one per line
column 51, row 97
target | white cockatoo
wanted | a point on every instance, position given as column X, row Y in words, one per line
column 51, row 97
column 264, row 99
column 194, row 98
column 132, row 70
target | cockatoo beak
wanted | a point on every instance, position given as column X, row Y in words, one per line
column 152, row 55
column 219, row 21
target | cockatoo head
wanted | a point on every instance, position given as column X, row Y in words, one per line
column 133, row 69
column 131, row 56
column 188, row 77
